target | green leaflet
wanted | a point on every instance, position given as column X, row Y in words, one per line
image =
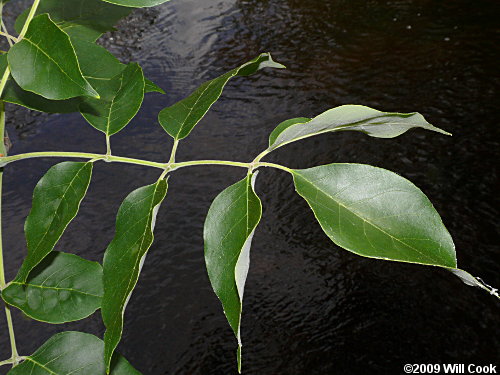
column 73, row 353
column 121, row 99
column 350, row 117
column 61, row 288
column 179, row 119
column 16, row 95
column 228, row 232
column 45, row 63
column 56, row 200
column 376, row 213
column 125, row 256
column 83, row 19
column 98, row 67
column 137, row 3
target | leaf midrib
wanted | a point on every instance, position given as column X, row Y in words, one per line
column 55, row 62
column 54, row 288
column 368, row 221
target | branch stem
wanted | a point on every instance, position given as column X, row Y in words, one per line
column 174, row 151
column 79, row 155
column 9, row 37
column 108, row 145
column 121, row 159
column 8, row 315
column 31, row 14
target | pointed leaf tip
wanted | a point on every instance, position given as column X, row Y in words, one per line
column 351, row 117
column 62, row 288
column 376, row 213
column 180, row 119
column 125, row 255
column 66, row 185
column 44, row 62
column 228, row 231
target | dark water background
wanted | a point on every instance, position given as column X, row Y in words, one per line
column 310, row 307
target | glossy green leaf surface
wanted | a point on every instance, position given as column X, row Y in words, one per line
column 125, row 256
column 351, row 117
column 179, row 119
column 83, row 19
column 228, row 232
column 376, row 213
column 16, row 95
column 137, row 3
column 56, row 200
column 121, row 98
column 74, row 353
column 61, row 288
column 98, row 65
column 44, row 62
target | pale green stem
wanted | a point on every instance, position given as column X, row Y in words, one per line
column 82, row 155
column 3, row 151
column 120, row 159
column 8, row 315
column 11, row 361
column 273, row 165
column 31, row 14
column 260, row 156
column 171, row 161
column 108, row 145
column 3, row 81
column 174, row 151
column 9, row 37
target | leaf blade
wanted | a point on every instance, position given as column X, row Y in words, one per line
column 233, row 216
column 125, row 255
column 56, row 200
column 386, row 218
column 180, row 119
column 71, row 353
column 352, row 117
column 120, row 101
column 62, row 288
column 82, row 19
column 44, row 62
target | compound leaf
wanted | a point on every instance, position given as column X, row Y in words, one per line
column 121, row 98
column 70, row 352
column 56, row 200
column 125, row 256
column 61, row 288
column 228, row 232
column 350, row 117
column 179, row 119
column 82, row 19
column 376, row 213
column 45, row 63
